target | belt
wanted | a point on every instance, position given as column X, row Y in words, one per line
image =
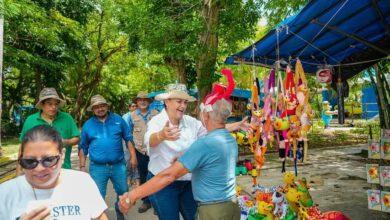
column 233, row 200
column 108, row 163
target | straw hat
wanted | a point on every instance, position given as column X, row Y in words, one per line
column 175, row 91
column 48, row 93
column 142, row 95
column 97, row 100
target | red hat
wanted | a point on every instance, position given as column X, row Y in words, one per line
column 218, row 92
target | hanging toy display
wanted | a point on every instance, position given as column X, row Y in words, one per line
column 303, row 111
column 256, row 124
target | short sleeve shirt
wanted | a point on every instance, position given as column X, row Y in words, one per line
column 63, row 123
column 212, row 160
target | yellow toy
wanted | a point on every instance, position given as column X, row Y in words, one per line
column 238, row 190
column 289, row 181
column 240, row 138
column 266, row 209
column 294, row 133
column 281, row 124
column 254, row 175
column 292, row 197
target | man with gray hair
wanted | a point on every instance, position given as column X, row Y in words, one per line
column 211, row 159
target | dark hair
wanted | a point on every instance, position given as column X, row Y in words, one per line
column 46, row 100
column 42, row 133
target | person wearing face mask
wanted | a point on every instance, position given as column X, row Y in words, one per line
column 49, row 104
column 137, row 121
column 46, row 191
column 101, row 139
column 211, row 160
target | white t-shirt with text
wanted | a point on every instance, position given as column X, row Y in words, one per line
column 75, row 197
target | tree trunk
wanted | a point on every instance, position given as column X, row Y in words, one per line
column 383, row 100
column 384, row 68
column 207, row 59
column 381, row 120
column 180, row 67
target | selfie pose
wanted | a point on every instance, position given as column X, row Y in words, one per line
column 46, row 191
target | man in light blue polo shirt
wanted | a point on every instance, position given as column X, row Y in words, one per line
column 101, row 139
column 211, row 160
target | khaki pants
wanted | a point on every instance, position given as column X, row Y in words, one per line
column 219, row 211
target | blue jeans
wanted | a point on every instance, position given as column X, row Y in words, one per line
column 174, row 198
column 101, row 173
column 143, row 162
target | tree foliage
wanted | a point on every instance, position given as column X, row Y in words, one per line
column 119, row 47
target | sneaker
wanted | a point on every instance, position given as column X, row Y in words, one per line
column 144, row 207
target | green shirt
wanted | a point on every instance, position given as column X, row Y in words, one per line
column 63, row 123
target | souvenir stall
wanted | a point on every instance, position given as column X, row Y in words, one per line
column 333, row 40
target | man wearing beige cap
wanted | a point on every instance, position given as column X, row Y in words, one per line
column 137, row 121
column 101, row 139
column 49, row 104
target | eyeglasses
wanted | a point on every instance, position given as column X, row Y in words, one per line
column 46, row 162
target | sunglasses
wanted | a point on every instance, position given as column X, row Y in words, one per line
column 46, row 162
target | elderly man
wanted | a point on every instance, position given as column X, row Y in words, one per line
column 101, row 138
column 49, row 104
column 211, row 160
column 137, row 121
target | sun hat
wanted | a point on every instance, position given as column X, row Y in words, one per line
column 97, row 100
column 142, row 95
column 48, row 93
column 175, row 91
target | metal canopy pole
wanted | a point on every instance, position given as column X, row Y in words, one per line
column 353, row 36
column 380, row 14
column 340, row 100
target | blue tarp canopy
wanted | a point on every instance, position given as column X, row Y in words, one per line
column 350, row 35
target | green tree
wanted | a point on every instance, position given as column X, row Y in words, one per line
column 189, row 35
column 40, row 37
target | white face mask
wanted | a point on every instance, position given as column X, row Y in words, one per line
column 54, row 175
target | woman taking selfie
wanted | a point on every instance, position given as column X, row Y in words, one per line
column 46, row 191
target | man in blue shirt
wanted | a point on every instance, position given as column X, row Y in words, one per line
column 101, row 138
column 211, row 160
column 137, row 121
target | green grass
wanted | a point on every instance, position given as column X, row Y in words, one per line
column 10, row 148
column 358, row 134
